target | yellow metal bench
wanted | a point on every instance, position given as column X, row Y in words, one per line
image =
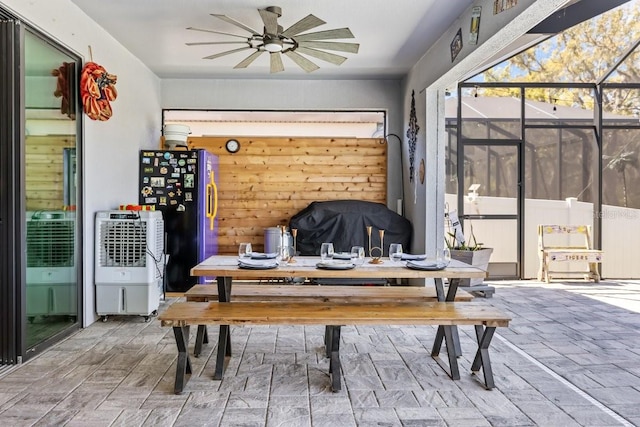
column 553, row 252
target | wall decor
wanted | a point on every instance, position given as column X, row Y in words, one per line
column 421, row 171
column 412, row 134
column 456, row 45
column 502, row 5
column 65, row 89
column 97, row 89
column 474, row 28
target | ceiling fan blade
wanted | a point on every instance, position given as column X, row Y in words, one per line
column 208, row 43
column 325, row 56
column 303, row 62
column 270, row 20
column 218, row 55
column 249, row 59
column 340, row 46
column 276, row 62
column 305, row 24
column 215, row 32
column 339, row 33
column 232, row 21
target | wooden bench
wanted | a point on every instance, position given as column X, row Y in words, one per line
column 485, row 319
column 313, row 293
column 567, row 250
column 327, row 293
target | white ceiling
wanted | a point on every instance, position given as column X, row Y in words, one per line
column 392, row 35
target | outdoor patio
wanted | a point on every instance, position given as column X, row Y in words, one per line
column 571, row 357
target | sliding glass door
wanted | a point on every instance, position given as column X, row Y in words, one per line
column 10, row 136
column 40, row 208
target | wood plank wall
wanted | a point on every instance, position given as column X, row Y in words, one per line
column 45, row 171
column 272, row 178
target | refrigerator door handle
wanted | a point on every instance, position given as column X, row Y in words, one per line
column 212, row 208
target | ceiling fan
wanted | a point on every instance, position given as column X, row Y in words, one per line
column 290, row 42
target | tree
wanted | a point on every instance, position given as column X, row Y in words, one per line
column 581, row 54
column 619, row 163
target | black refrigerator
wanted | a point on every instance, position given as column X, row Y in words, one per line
column 182, row 185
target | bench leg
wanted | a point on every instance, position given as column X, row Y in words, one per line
column 447, row 333
column 457, row 350
column 224, row 350
column 327, row 339
column 540, row 267
column 546, row 276
column 183, row 367
column 484, row 336
column 593, row 272
column 334, row 362
column 201, row 338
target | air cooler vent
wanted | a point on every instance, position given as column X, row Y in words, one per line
column 124, row 244
column 50, row 243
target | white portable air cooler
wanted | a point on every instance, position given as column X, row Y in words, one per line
column 129, row 262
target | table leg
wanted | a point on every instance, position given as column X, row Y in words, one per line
column 439, row 289
column 201, row 338
column 224, row 289
column 205, row 335
column 453, row 289
column 450, row 296
column 183, row 367
column 334, row 362
column 224, row 295
column 484, row 336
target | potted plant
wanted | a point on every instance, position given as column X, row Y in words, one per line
column 472, row 253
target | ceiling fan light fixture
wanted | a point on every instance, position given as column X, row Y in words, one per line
column 272, row 44
column 292, row 42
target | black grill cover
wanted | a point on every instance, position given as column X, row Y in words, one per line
column 344, row 223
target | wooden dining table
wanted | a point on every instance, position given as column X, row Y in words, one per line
column 224, row 268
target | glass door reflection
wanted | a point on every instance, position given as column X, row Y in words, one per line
column 50, row 194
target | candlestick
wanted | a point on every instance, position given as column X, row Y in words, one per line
column 376, row 259
column 294, row 233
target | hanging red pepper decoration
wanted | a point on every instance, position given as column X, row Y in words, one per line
column 97, row 89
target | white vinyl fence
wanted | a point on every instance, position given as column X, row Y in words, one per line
column 620, row 232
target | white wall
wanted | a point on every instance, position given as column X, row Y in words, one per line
column 620, row 234
column 428, row 79
column 110, row 148
column 314, row 95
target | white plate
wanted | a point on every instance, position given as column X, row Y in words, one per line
column 413, row 257
column 257, row 264
column 430, row 265
column 334, row 265
column 260, row 255
column 342, row 255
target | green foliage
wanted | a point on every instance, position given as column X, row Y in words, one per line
column 453, row 243
column 584, row 53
